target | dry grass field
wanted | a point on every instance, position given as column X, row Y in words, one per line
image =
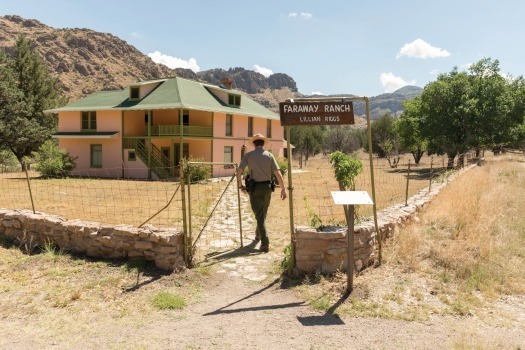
column 132, row 202
column 465, row 257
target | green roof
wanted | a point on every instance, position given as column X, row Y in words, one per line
column 171, row 93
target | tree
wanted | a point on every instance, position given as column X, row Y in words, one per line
column 385, row 141
column 26, row 90
column 7, row 160
column 307, row 140
column 493, row 115
column 471, row 110
column 342, row 138
column 408, row 130
column 446, row 114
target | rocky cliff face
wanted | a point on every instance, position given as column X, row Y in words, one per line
column 86, row 61
column 249, row 81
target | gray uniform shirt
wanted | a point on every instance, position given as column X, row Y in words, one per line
column 261, row 164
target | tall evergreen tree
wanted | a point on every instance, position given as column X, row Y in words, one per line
column 26, row 90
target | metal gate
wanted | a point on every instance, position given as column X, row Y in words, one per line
column 218, row 214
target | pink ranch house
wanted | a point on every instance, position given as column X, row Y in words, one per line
column 138, row 132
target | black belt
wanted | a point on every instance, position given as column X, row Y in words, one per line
column 263, row 182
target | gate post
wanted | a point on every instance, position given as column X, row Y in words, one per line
column 290, row 201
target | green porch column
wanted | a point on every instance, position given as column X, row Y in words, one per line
column 150, row 144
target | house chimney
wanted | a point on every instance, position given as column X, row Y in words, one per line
column 227, row 82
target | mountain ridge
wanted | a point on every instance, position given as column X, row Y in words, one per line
column 86, row 61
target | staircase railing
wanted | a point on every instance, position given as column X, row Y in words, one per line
column 159, row 163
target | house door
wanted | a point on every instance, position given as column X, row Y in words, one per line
column 165, row 152
column 176, row 152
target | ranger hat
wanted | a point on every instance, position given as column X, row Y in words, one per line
column 259, row 137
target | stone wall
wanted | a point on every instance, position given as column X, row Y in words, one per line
column 163, row 246
column 324, row 250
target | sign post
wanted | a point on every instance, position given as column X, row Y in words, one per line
column 326, row 111
column 349, row 199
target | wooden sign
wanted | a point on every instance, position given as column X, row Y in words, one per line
column 316, row 113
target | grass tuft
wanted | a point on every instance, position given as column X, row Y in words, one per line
column 168, row 300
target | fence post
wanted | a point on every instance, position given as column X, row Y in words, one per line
column 190, row 238
column 239, row 202
column 290, row 201
column 431, row 174
column 408, row 179
column 187, row 242
column 29, row 187
column 372, row 181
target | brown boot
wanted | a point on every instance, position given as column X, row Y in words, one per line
column 264, row 248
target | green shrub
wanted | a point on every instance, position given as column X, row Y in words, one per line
column 283, row 165
column 8, row 161
column 198, row 172
column 53, row 161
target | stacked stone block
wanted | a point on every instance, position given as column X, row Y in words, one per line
column 163, row 246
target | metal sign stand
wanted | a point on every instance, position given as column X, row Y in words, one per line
column 349, row 199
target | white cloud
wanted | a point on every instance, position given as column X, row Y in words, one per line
column 421, row 49
column 264, row 71
column 174, row 62
column 136, row 35
column 319, row 93
column 391, row 83
column 434, row 72
column 304, row 15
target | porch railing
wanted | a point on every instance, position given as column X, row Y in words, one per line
column 174, row 130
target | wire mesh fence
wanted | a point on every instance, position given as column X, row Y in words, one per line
column 313, row 184
column 219, row 216
column 94, row 197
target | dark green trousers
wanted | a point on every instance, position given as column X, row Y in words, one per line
column 260, row 202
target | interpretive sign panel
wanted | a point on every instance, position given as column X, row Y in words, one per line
column 351, row 197
column 316, row 113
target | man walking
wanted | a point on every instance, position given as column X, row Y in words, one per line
column 261, row 165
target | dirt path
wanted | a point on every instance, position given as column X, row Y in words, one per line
column 235, row 311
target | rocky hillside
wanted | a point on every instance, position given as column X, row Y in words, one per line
column 86, row 61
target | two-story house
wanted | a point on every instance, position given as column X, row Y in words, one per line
column 138, row 132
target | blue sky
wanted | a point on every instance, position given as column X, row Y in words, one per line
column 362, row 47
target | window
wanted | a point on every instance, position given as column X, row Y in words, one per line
column 134, row 93
column 96, row 156
column 132, row 156
column 268, row 128
column 229, row 122
column 250, row 126
column 185, row 117
column 89, row 121
column 228, row 156
column 146, row 117
column 234, row 100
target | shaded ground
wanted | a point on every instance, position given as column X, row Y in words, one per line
column 230, row 309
